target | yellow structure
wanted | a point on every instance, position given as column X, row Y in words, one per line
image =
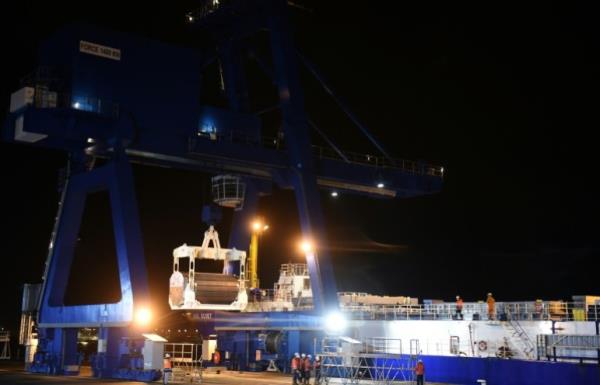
column 579, row 315
column 258, row 227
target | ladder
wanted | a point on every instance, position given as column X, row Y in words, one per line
column 412, row 361
column 516, row 331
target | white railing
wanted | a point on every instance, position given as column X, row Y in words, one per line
column 522, row 311
column 186, row 359
column 294, row 269
column 504, row 311
column 373, row 361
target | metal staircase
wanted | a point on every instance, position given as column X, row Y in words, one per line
column 520, row 338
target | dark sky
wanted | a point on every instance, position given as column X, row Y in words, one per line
column 505, row 98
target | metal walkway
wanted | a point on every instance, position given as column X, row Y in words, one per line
column 373, row 361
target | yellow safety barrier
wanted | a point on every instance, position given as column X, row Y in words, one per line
column 579, row 314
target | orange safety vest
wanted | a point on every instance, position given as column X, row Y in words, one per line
column 306, row 364
column 295, row 363
column 459, row 304
column 167, row 363
column 491, row 302
column 216, row 357
column 420, row 369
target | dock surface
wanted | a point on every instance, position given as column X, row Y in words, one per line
column 13, row 373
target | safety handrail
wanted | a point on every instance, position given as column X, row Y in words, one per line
column 521, row 311
column 320, row 152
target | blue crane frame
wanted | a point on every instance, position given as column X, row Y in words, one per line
column 129, row 99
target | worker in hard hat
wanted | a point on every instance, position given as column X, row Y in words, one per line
column 167, row 368
column 491, row 305
column 317, row 366
column 459, row 307
column 301, row 368
column 420, row 372
column 538, row 308
column 295, row 368
column 306, row 369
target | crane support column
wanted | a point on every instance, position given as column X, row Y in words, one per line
column 58, row 322
column 301, row 171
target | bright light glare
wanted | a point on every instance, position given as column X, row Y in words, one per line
column 334, row 194
column 143, row 316
column 258, row 226
column 380, row 185
column 335, row 323
column 76, row 105
column 306, row 246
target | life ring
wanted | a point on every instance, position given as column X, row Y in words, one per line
column 216, row 357
column 482, row 346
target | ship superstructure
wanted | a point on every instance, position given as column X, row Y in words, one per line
column 527, row 330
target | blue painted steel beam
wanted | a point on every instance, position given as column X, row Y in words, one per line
column 158, row 122
column 117, row 178
column 329, row 141
column 313, row 69
column 69, row 129
column 267, row 71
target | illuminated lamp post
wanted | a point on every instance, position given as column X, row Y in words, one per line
column 333, row 321
column 258, row 227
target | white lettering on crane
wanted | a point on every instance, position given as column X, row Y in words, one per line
column 99, row 50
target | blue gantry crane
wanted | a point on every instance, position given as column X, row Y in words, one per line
column 98, row 94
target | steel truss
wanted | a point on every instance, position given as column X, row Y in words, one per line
column 375, row 361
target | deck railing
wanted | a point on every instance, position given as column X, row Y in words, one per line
column 522, row 311
column 319, row 152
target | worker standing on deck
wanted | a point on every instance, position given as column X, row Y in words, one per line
column 306, row 368
column 167, row 369
column 420, row 372
column 459, row 307
column 295, row 366
column 491, row 304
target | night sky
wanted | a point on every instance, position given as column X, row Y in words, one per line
column 505, row 98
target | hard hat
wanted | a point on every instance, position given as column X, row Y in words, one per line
column 297, row 354
column 167, row 355
column 303, row 355
column 318, row 358
column 309, row 356
column 458, row 296
column 420, row 360
column 489, row 293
